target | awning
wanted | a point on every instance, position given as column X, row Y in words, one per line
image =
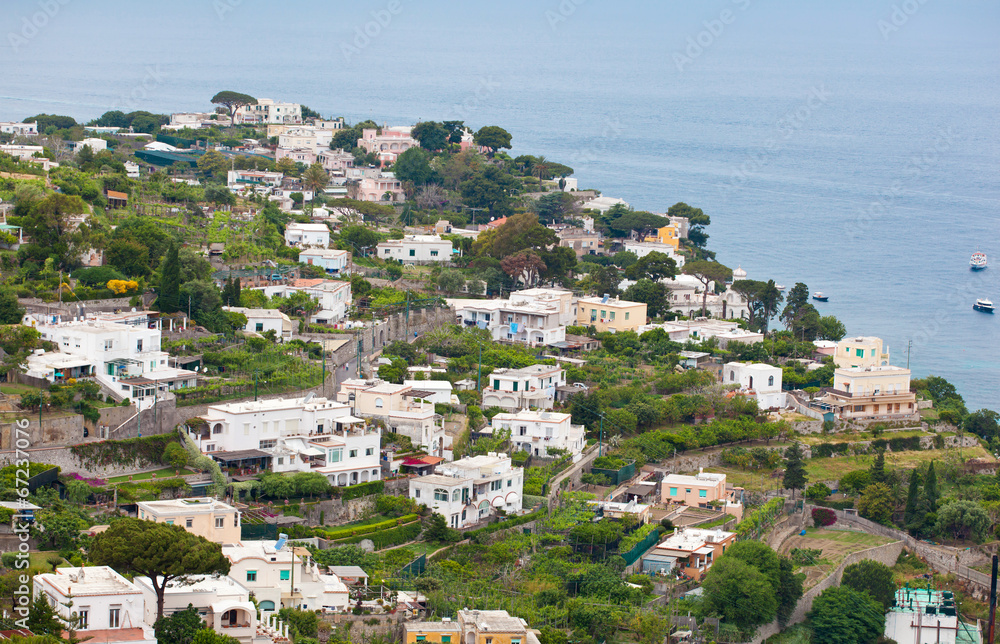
column 511, row 497
column 299, row 445
column 348, row 420
column 498, row 502
column 239, row 455
column 704, row 550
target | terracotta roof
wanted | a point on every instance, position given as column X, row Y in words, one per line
column 112, row 635
column 307, row 282
column 114, row 194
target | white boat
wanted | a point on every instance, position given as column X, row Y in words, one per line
column 780, row 287
column 983, row 305
column 978, row 261
column 819, row 297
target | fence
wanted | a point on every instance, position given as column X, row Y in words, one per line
column 637, row 551
column 415, row 568
column 258, row 531
column 618, row 476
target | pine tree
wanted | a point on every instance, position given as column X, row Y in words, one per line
column 170, row 282
column 795, row 471
column 910, row 518
column 930, row 489
column 878, row 467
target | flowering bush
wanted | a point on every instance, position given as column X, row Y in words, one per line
column 823, row 517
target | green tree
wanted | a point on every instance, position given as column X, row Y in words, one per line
column 432, row 135
column 637, row 220
column 963, row 520
column 10, row 309
column 655, row 266
column 855, row 481
column 877, row 469
column 42, row 617
column 450, row 280
column 180, row 627
column 707, row 272
column 315, row 178
column 491, row 189
column 759, row 555
column 817, row 492
column 931, row 494
column 872, row 577
column 209, row 636
column 984, row 423
column 911, row 518
column 170, row 282
column 414, row 165
column 214, row 164
column 311, row 483
column 789, row 590
column 492, row 137
column 436, row 529
column 395, row 372
column 877, row 503
column 830, row 328
column 654, row 294
column 842, row 615
column 743, row 595
column 176, row 456
column 128, row 256
column 795, row 470
column 159, row 551
column 358, row 239
column 233, row 101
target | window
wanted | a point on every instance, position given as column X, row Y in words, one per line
column 604, row 314
column 416, row 493
column 687, row 490
column 352, row 454
column 456, row 495
column 413, row 252
column 859, row 353
column 335, row 455
column 612, row 316
column 434, row 253
column 673, row 491
column 515, row 640
column 515, row 385
column 440, row 494
column 114, row 616
column 496, row 384
column 732, row 376
column 170, row 522
column 859, row 407
column 421, row 638
column 379, row 403
column 369, row 451
column 446, row 639
column 281, row 461
column 83, row 616
column 770, row 381
column 251, row 575
column 283, row 575
column 703, row 493
column 189, row 523
column 593, row 315
column 510, row 482
column 220, row 522
column 626, row 315
column 259, row 326
column 267, row 444
column 386, row 251
column 138, row 345
column 108, row 345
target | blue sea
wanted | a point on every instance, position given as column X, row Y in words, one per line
column 852, row 147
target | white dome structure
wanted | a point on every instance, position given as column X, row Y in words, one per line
column 739, row 273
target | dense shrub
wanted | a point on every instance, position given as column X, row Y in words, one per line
column 823, row 517
column 826, row 450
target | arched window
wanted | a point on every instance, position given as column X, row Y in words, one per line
column 770, row 381
column 378, row 403
column 456, row 495
column 732, row 376
column 440, row 494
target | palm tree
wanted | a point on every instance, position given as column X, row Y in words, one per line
column 315, row 178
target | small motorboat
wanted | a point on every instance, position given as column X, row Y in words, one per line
column 983, row 305
column 819, row 297
column 780, row 287
column 978, row 261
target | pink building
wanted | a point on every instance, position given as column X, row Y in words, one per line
column 299, row 155
column 336, row 160
column 389, row 144
column 701, row 490
column 385, row 187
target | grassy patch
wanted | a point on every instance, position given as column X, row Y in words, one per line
column 165, row 473
column 16, row 389
column 756, row 481
column 847, row 537
column 797, row 634
column 39, row 559
column 834, row 468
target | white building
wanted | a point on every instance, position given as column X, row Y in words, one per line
column 19, row 129
column 297, row 234
column 264, row 320
column 267, row 110
column 538, row 432
column 256, row 180
column 762, row 381
column 416, row 249
column 109, row 607
column 284, row 577
column 223, row 603
column 405, row 409
column 526, row 316
column 604, row 204
column 686, row 294
column 307, row 434
column 440, row 390
column 334, row 297
column 925, row 616
column 131, row 170
column 514, row 389
column 95, row 145
column 470, row 490
column 641, row 249
column 124, row 358
column 701, row 329
column 331, row 260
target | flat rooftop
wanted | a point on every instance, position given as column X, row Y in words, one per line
column 94, row 580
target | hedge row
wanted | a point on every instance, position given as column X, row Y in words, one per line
column 505, row 524
column 392, row 537
column 844, row 504
column 359, row 490
column 826, row 450
column 350, row 531
column 129, row 452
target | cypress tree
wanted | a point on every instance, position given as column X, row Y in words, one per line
column 910, row 518
column 930, row 489
column 878, row 467
column 795, row 471
column 170, row 282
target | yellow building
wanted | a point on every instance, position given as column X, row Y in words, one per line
column 612, row 315
column 204, row 516
column 443, row 632
column 669, row 235
column 871, row 393
column 861, row 353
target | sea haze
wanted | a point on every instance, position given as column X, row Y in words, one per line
column 853, row 147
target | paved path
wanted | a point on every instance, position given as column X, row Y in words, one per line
column 588, row 458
